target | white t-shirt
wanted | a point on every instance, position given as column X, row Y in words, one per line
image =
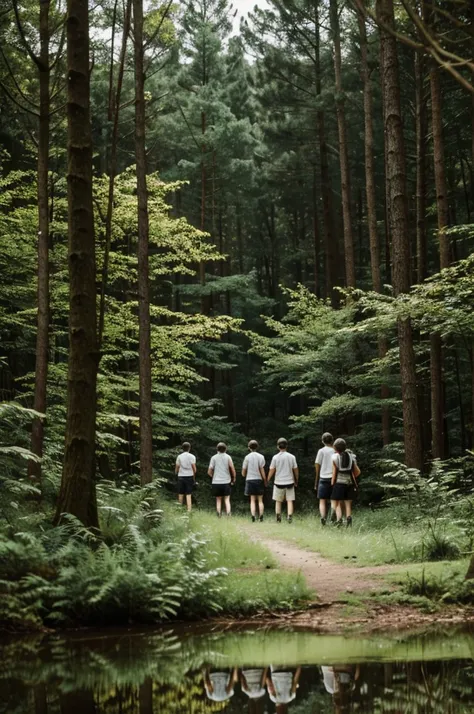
column 254, row 689
column 346, row 475
column 330, row 680
column 283, row 683
column 253, row 462
column 185, row 462
column 324, row 459
column 284, row 463
column 220, row 682
column 221, row 464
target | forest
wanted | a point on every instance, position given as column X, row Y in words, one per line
column 222, row 226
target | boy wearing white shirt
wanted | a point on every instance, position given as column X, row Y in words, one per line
column 222, row 472
column 186, row 471
column 323, row 466
column 285, row 470
column 253, row 470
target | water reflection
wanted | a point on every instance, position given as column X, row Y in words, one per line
column 165, row 674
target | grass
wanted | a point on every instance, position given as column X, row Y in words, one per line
column 254, row 583
column 374, row 539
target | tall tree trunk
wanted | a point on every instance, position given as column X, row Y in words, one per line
column 442, row 204
column 396, row 166
column 42, row 334
column 114, row 113
column 421, row 125
column 77, row 493
column 372, row 203
column 144, row 368
column 316, row 236
column 329, row 234
column 343, row 148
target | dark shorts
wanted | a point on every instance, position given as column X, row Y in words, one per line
column 185, row 485
column 324, row 489
column 220, row 489
column 254, row 487
column 343, row 492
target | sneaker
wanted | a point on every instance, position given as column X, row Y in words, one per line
column 261, row 519
column 349, row 522
column 323, row 521
column 339, row 524
column 278, row 518
column 253, row 519
column 290, row 519
column 219, row 515
column 333, row 517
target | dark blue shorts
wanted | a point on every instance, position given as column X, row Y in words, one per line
column 220, row 490
column 324, row 489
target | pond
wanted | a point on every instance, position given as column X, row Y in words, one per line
column 254, row 670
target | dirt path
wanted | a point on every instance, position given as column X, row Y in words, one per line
column 329, row 580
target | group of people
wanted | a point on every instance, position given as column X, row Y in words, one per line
column 336, row 479
column 279, row 683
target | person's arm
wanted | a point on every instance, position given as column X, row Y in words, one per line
column 263, row 475
column 194, row 471
column 316, row 481
column 271, row 687
column 210, row 470
column 176, row 468
column 334, row 473
column 207, row 680
column 233, row 473
column 296, row 679
column 296, row 475
column 355, row 469
column 233, row 679
column 244, row 467
column 264, row 677
column 271, row 474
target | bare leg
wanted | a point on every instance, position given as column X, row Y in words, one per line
column 219, row 505
column 189, row 501
column 253, row 510
column 278, row 509
column 227, row 505
column 334, row 506
column 290, row 506
column 323, row 507
column 261, row 507
column 348, row 506
column 181, row 498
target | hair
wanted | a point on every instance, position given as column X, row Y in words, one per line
column 327, row 438
column 282, row 443
column 341, row 448
column 253, row 445
column 186, row 446
column 221, row 447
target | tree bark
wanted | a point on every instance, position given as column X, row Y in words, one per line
column 442, row 205
column 77, row 493
column 145, row 406
column 371, row 198
column 396, row 166
column 114, row 113
column 421, row 125
column 343, row 148
column 329, row 234
column 42, row 334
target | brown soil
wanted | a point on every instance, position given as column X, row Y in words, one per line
column 329, row 580
column 333, row 584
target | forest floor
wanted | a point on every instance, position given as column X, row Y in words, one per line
column 348, row 596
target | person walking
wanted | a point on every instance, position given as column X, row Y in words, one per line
column 253, row 470
column 344, row 485
column 186, row 471
column 222, row 472
column 285, row 470
column 323, row 466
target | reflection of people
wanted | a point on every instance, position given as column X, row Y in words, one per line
column 252, row 682
column 282, row 685
column 339, row 681
column 219, row 686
